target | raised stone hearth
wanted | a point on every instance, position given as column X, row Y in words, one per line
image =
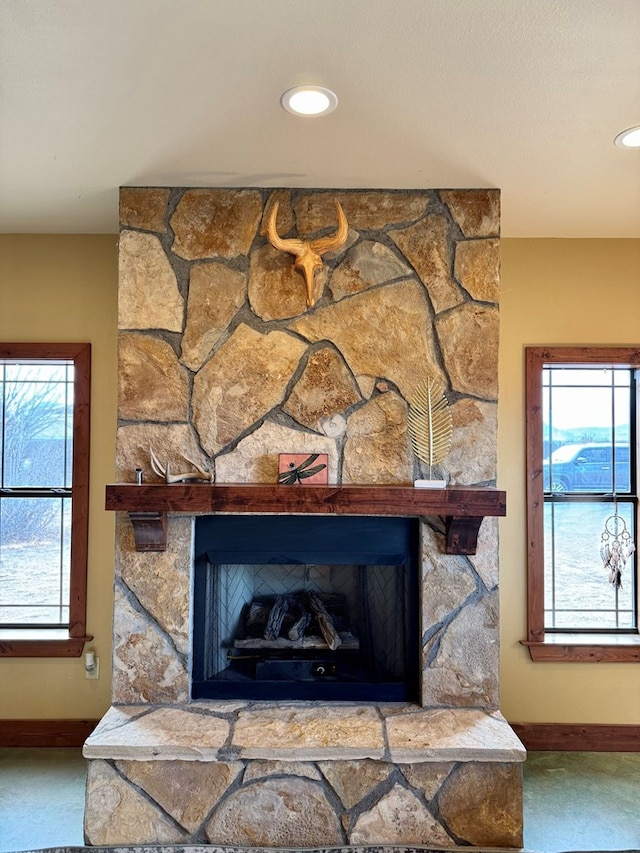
column 222, row 363
column 294, row 774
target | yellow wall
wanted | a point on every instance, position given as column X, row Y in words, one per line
column 553, row 292
column 63, row 288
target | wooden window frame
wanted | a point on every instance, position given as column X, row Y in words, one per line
column 33, row 641
column 545, row 646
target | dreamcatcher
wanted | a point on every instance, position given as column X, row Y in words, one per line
column 615, row 546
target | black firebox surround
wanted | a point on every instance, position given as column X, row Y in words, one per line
column 306, row 540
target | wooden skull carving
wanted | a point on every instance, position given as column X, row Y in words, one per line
column 308, row 253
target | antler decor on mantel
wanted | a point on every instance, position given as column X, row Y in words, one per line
column 188, row 476
column 308, row 253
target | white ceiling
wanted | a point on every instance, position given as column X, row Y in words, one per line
column 523, row 95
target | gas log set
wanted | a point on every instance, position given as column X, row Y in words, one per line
column 305, row 620
column 299, row 636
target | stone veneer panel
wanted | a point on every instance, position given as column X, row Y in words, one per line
column 482, row 804
column 427, row 245
column 277, row 291
column 384, row 332
column 354, row 780
column 325, row 388
column 477, row 212
column 146, row 664
column 158, row 580
column 178, row 790
column 142, row 258
column 383, row 289
column 120, row 814
column 218, row 224
column 463, row 673
column 241, row 383
column 300, row 732
column 153, row 385
column 366, row 210
column 228, row 368
column 477, row 268
column 377, row 442
column 469, row 338
column 289, row 812
column 399, row 817
column 216, row 293
column 473, row 454
column 255, row 458
column 367, row 264
column 175, row 445
column 144, row 207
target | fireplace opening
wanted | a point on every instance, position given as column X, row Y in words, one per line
column 305, row 607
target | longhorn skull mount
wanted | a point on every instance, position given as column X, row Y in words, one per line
column 308, row 253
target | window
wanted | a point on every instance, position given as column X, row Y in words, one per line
column 582, row 499
column 44, row 495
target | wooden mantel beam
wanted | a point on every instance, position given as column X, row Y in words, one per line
column 462, row 507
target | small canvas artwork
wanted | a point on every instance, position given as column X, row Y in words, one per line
column 308, row 469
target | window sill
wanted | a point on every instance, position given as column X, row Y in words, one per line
column 40, row 643
column 585, row 648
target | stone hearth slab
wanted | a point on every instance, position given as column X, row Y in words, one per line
column 223, row 731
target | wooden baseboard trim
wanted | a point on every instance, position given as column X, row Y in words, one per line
column 587, row 737
column 535, row 736
column 45, row 732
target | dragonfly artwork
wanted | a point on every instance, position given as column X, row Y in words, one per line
column 297, row 468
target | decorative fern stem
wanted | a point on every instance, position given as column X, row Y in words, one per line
column 430, row 423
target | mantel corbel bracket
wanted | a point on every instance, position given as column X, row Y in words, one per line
column 461, row 533
column 149, row 530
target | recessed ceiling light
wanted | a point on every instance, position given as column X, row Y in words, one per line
column 629, row 138
column 309, row 101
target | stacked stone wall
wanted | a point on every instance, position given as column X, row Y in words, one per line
column 222, row 363
column 221, row 360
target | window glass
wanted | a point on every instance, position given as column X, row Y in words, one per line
column 587, row 423
column 578, row 592
column 44, row 452
column 586, row 427
column 34, row 523
column 35, row 561
column 37, row 402
column 582, row 502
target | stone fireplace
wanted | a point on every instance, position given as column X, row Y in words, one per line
column 223, row 365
